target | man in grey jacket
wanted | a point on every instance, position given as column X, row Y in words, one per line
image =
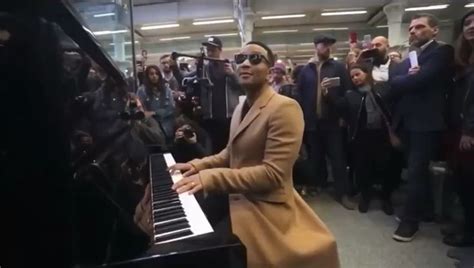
column 220, row 99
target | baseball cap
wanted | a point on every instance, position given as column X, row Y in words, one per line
column 213, row 41
column 326, row 39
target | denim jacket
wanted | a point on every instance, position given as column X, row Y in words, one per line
column 162, row 103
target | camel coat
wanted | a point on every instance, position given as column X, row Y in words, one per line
column 277, row 227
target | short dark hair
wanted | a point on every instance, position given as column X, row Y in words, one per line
column 271, row 57
column 165, row 56
column 432, row 20
column 390, row 50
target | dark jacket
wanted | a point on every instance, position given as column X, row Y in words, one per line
column 232, row 92
column 420, row 99
column 290, row 91
column 461, row 104
column 307, row 87
column 352, row 108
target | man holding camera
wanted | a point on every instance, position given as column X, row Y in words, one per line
column 220, row 99
column 323, row 132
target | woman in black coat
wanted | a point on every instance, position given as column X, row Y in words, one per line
column 368, row 118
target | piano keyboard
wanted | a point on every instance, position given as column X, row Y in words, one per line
column 175, row 217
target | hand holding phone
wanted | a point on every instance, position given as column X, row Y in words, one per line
column 330, row 82
column 367, row 41
column 413, row 58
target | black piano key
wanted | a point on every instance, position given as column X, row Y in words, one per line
column 167, row 229
column 167, row 207
column 172, row 208
column 157, row 199
column 163, row 190
column 165, row 197
column 162, row 223
column 179, row 234
column 159, row 183
column 167, row 212
column 161, row 218
column 166, row 204
column 168, row 194
column 171, row 223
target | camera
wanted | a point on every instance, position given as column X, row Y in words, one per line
column 132, row 112
column 188, row 131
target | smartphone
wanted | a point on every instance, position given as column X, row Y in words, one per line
column 367, row 41
column 352, row 38
column 413, row 58
column 334, row 81
column 369, row 53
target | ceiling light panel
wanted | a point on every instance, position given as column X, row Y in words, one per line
column 280, row 31
column 344, row 13
column 208, row 22
column 159, row 26
column 423, row 8
column 175, row 38
column 278, row 17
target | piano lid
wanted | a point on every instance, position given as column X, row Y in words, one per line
column 76, row 28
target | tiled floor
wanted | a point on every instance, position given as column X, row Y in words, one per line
column 365, row 241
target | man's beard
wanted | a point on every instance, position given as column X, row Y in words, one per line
column 323, row 57
column 418, row 43
column 380, row 58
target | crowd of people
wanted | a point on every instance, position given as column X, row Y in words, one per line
column 369, row 117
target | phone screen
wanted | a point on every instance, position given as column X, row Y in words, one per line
column 353, row 37
column 335, row 81
column 367, row 41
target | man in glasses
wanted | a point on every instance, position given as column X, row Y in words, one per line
column 218, row 103
column 276, row 225
column 323, row 132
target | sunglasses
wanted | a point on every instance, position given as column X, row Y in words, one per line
column 254, row 59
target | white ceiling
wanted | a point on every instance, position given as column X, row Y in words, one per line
column 184, row 12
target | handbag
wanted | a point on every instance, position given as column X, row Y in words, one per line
column 395, row 141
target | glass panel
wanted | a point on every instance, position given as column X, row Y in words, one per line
column 109, row 21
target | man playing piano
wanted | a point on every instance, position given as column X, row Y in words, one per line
column 277, row 227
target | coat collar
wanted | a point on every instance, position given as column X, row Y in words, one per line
column 252, row 114
column 428, row 47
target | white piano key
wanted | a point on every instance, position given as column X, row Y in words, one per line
column 197, row 219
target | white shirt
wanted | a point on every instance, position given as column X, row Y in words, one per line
column 380, row 73
column 423, row 47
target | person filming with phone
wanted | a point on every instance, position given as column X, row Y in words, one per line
column 369, row 120
column 323, row 133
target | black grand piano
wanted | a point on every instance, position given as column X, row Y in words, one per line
column 64, row 206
